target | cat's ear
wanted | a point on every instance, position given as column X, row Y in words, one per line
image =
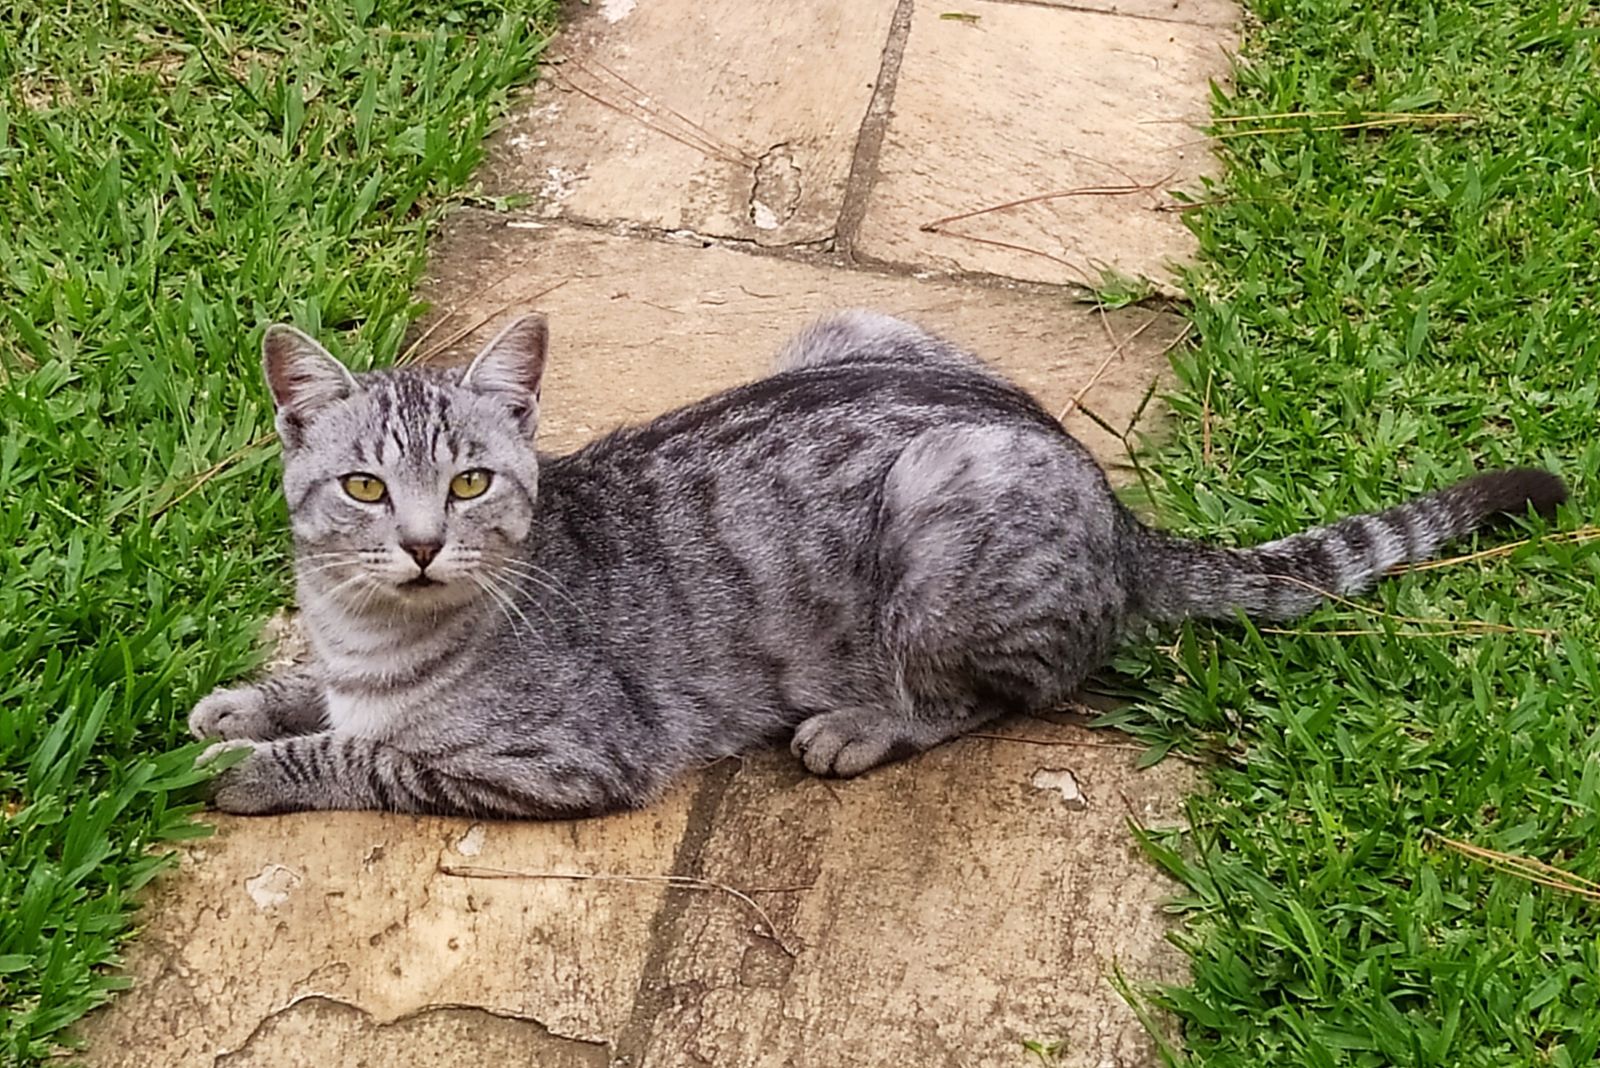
column 302, row 375
column 513, row 362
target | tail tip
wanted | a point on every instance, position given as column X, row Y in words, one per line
column 1512, row 492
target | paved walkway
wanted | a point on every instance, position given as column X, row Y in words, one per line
column 706, row 175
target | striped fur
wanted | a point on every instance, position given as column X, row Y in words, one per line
column 1287, row 578
column 874, row 549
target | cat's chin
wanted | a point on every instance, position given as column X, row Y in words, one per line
column 429, row 595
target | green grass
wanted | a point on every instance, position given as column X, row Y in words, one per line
column 1381, row 311
column 173, row 176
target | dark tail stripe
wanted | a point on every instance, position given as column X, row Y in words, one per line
column 1282, row 579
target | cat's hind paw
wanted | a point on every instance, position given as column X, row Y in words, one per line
column 849, row 742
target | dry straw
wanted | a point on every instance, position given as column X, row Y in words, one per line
column 679, row 882
column 1534, row 871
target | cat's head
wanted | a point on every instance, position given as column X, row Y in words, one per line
column 408, row 489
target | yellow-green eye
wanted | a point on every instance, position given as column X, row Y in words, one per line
column 469, row 484
column 365, row 488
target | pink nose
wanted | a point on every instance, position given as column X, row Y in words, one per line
column 422, row 552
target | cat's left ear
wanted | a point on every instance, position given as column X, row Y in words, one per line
column 513, row 362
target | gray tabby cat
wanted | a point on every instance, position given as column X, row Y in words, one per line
column 882, row 545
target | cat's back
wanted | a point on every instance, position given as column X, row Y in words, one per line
column 785, row 475
column 827, row 413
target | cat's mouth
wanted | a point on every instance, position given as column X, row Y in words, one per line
column 421, row 582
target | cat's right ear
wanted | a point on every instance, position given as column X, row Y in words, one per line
column 303, row 377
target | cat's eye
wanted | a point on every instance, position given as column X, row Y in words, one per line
column 469, row 484
column 369, row 489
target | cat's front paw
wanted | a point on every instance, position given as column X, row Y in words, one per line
column 246, row 788
column 231, row 713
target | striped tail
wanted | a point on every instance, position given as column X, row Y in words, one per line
column 1288, row 578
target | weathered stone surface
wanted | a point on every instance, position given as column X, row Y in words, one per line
column 942, row 911
column 1203, row 12
column 352, row 908
column 731, row 118
column 638, row 327
column 1035, row 100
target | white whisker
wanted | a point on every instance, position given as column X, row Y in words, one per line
column 541, row 579
column 512, row 579
column 508, row 605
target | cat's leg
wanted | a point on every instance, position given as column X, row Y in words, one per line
column 1000, row 593
column 282, row 705
column 339, row 771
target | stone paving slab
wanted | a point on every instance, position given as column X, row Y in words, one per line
column 939, row 911
column 1032, row 100
column 731, row 118
column 1202, row 12
column 350, row 909
column 951, row 908
column 638, row 326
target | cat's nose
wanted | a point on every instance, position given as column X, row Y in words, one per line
column 422, row 552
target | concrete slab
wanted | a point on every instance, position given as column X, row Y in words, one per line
column 1034, row 100
column 341, row 923
column 944, row 911
column 731, row 118
column 940, row 911
column 638, row 326
column 1200, row 12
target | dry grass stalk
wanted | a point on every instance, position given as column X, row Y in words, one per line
column 1278, row 116
column 1534, row 871
column 649, row 101
column 1441, row 119
column 1076, row 743
column 1467, row 626
column 1118, row 349
column 939, row 226
column 1088, row 280
column 206, row 476
column 1083, row 191
column 411, row 349
column 467, row 331
column 1571, row 537
column 648, row 113
column 1080, row 743
column 1364, row 632
column 681, row 882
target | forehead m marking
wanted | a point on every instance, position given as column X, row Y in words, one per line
column 413, row 415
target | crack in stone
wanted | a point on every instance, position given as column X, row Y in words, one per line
column 653, row 995
column 583, row 1050
column 869, row 139
column 775, row 188
column 822, row 253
